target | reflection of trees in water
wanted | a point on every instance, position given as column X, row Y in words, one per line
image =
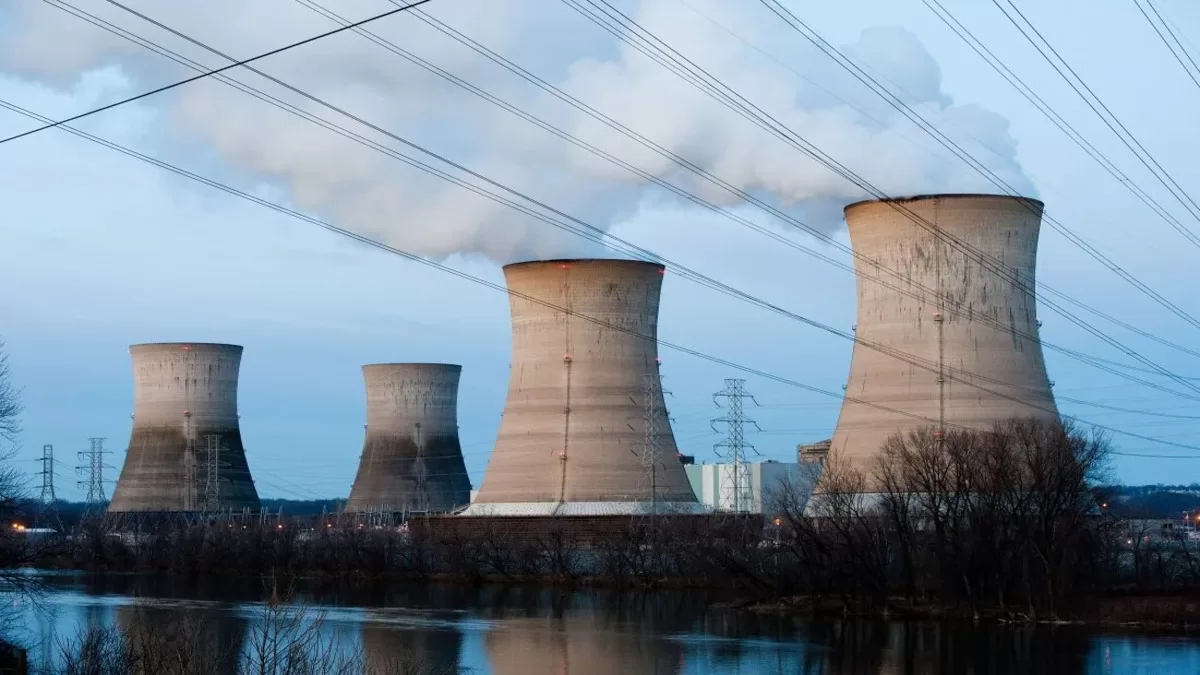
column 942, row 648
column 578, row 646
column 388, row 648
column 182, row 639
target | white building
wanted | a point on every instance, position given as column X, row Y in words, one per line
column 761, row 489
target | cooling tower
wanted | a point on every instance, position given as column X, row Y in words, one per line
column 411, row 459
column 185, row 432
column 973, row 330
column 584, row 373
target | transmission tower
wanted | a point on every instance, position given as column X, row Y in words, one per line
column 47, row 474
column 736, row 490
column 92, row 466
column 651, row 390
column 212, row 473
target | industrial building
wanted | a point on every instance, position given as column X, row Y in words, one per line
column 954, row 340
column 584, row 430
column 411, row 461
column 814, row 453
column 185, row 452
column 766, row 486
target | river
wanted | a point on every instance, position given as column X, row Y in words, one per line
column 536, row 631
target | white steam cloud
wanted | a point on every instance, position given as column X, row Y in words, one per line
column 364, row 190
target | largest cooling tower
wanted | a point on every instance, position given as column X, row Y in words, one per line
column 185, row 432
column 953, row 341
column 572, row 440
column 411, row 460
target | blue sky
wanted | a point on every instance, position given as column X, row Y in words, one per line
column 100, row 251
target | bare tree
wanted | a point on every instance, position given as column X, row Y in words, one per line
column 10, row 402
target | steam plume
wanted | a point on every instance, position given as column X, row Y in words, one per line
column 366, row 191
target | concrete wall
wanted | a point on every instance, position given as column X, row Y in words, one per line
column 412, row 418
column 713, row 484
column 183, row 394
column 987, row 334
column 572, row 429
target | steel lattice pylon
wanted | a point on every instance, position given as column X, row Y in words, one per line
column 737, row 492
column 92, row 465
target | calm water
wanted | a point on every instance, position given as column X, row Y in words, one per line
column 531, row 632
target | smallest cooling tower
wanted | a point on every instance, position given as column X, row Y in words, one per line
column 185, row 451
column 411, row 459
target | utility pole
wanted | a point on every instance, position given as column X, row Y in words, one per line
column 733, row 449
column 92, row 465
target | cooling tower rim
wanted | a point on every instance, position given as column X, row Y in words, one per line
column 211, row 346
column 443, row 366
column 945, row 195
column 584, row 261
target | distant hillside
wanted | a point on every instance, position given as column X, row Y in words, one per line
column 1151, row 501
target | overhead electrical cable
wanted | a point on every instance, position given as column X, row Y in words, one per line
column 235, row 64
column 323, row 103
column 947, row 17
column 1060, row 65
column 894, row 101
column 503, row 289
column 1173, row 44
column 705, row 82
column 600, row 236
column 741, row 194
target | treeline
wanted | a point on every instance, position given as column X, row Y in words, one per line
column 999, row 522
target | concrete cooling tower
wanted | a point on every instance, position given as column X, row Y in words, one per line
column 972, row 328
column 185, row 452
column 411, row 459
column 584, row 372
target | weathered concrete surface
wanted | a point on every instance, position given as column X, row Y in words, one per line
column 183, row 393
column 412, row 418
column 987, row 334
column 572, row 429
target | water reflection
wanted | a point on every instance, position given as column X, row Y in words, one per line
column 390, row 646
column 881, row 648
column 531, row 631
column 176, row 636
column 579, row 646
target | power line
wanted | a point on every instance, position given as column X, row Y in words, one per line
column 594, row 233
column 892, row 100
column 523, row 209
column 700, row 78
column 1173, row 43
column 470, row 277
column 997, row 64
column 598, row 234
column 1028, row 30
column 216, row 71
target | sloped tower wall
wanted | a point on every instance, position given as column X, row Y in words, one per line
column 975, row 327
column 572, row 438
column 184, row 399
column 411, row 459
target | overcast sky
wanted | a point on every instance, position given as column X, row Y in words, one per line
column 99, row 250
